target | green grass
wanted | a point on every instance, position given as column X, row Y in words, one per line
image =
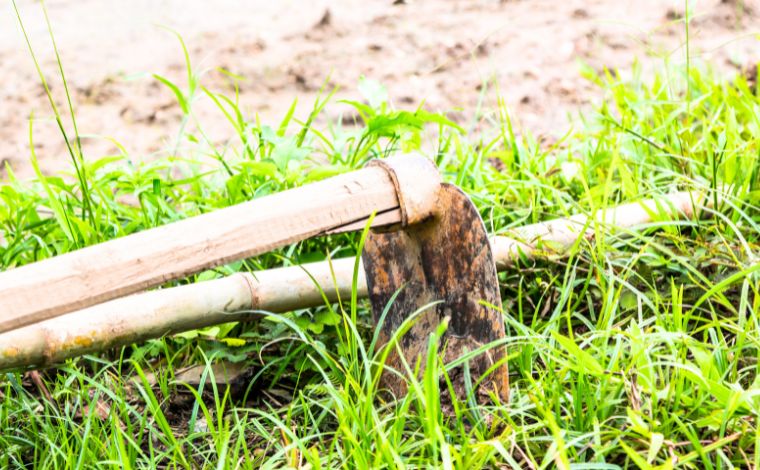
column 638, row 350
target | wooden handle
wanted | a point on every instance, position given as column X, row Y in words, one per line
column 102, row 272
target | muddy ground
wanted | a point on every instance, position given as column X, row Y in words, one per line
column 456, row 55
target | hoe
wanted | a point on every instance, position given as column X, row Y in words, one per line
column 428, row 251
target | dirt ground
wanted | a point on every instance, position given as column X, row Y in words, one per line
column 441, row 51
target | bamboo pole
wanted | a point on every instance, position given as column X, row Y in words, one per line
column 564, row 232
column 236, row 298
column 162, row 312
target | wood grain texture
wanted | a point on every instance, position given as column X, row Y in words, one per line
column 99, row 273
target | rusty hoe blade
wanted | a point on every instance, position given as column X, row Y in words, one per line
column 445, row 257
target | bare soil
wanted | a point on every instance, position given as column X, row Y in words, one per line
column 456, row 55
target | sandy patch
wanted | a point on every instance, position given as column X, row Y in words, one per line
column 453, row 54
